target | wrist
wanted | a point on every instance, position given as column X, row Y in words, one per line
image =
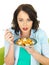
column 11, row 47
column 33, row 52
column 12, row 44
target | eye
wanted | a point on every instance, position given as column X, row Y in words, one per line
column 29, row 20
column 20, row 20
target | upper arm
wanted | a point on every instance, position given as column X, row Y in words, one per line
column 44, row 45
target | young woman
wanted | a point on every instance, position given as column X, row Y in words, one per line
column 26, row 25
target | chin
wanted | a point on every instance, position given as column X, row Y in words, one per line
column 25, row 31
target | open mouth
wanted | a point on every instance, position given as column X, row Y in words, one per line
column 25, row 29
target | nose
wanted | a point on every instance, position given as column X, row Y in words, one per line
column 25, row 23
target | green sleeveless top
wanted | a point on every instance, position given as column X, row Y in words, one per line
column 24, row 57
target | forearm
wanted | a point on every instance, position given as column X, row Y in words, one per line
column 9, row 59
column 43, row 60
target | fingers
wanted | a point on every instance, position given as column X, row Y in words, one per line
column 27, row 46
column 30, row 46
column 7, row 31
column 8, row 36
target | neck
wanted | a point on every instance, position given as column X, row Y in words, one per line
column 25, row 35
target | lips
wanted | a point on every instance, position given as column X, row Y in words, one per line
column 25, row 28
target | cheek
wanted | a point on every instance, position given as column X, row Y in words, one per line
column 20, row 24
column 30, row 24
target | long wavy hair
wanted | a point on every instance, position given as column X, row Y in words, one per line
column 29, row 9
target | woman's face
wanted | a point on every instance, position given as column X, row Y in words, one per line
column 24, row 22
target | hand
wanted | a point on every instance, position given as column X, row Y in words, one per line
column 8, row 36
column 29, row 49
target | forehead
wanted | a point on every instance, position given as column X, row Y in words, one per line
column 22, row 14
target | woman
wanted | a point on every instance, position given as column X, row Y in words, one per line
column 26, row 25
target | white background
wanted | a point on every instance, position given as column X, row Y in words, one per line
column 7, row 7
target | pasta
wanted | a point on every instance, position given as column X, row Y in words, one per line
column 24, row 42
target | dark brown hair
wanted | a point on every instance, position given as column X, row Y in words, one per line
column 32, row 14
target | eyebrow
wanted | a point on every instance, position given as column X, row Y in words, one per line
column 20, row 18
